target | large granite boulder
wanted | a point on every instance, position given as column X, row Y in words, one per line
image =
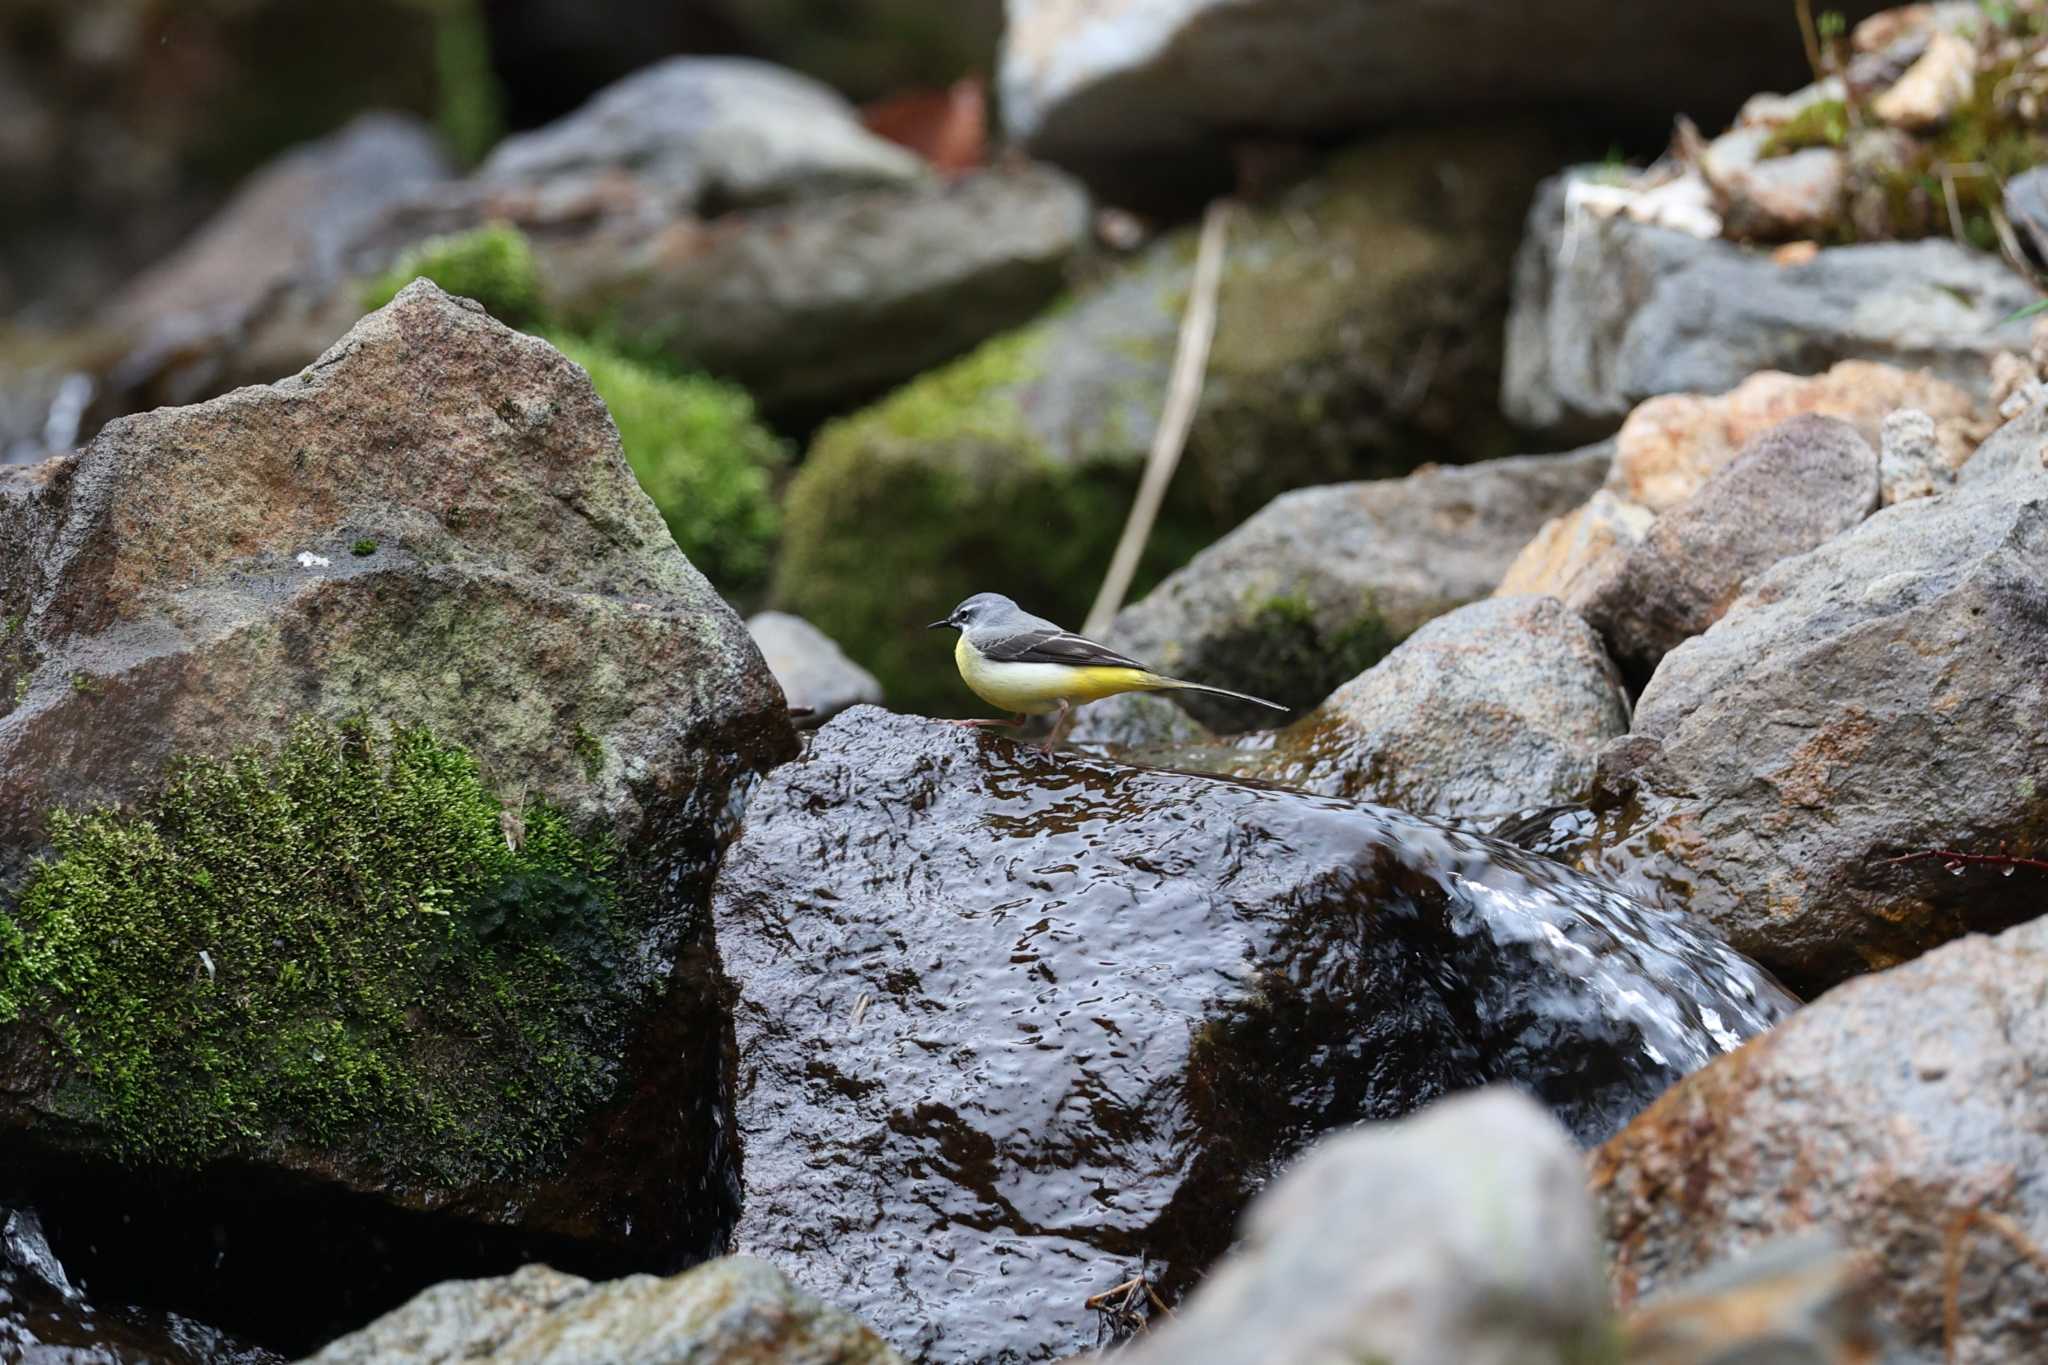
column 1322, row 582
column 1121, row 86
column 1903, row 1113
column 1014, row 467
column 1878, row 697
column 727, row 1312
column 432, row 530
column 1609, row 311
column 1007, row 1024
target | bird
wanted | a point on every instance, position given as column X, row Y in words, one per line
column 1029, row 666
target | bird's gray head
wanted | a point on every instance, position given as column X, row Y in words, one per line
column 982, row 610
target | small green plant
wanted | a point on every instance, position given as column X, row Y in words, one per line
column 1824, row 123
column 590, row 749
column 337, row 943
column 471, row 104
column 702, row 455
column 364, row 548
column 493, row 264
column 85, row 683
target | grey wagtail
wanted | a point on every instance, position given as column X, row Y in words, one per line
column 1028, row 666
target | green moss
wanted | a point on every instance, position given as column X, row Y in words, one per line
column 1824, row 123
column 1287, row 651
column 336, row 945
column 590, row 749
column 492, row 264
column 972, row 398
column 363, row 549
column 701, row 453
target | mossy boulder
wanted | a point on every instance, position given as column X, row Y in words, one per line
column 447, row 974
column 1358, row 334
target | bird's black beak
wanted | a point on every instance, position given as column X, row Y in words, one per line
column 940, row 625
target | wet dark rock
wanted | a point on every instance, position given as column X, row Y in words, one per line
column 433, row 526
column 1877, row 697
column 1795, row 487
column 1609, row 312
column 1322, row 582
column 732, row 1311
column 47, row 1320
column 1482, row 1247
column 1008, row 1024
column 1119, row 88
column 1499, row 706
column 1884, row 1112
column 814, row 673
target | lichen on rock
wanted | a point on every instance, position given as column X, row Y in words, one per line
column 349, row 939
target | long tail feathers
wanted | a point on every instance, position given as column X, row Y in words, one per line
column 1180, row 685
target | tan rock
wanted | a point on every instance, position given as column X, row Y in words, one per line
column 1567, row 553
column 1933, row 88
column 1670, row 443
column 1773, row 197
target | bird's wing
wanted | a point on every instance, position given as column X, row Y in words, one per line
column 1055, row 646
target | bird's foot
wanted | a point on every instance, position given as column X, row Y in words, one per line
column 1059, row 728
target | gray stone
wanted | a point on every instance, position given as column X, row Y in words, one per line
column 1005, row 1022
column 1880, row 696
column 1904, row 1113
column 1121, row 85
column 1137, row 720
column 2026, row 204
column 728, row 1312
column 1608, row 312
column 1460, row 1236
column 816, row 303
column 1496, row 707
column 815, row 674
column 2016, row 453
column 1324, row 581
column 1910, row 461
column 1791, row 489
column 706, row 134
column 1771, row 198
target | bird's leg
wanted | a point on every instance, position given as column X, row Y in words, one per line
column 1059, row 727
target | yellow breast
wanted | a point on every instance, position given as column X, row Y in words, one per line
column 1037, row 689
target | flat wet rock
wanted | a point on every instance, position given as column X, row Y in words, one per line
column 1009, row 1025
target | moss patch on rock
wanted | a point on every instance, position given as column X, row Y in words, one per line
column 348, row 943
column 494, row 265
column 701, row 453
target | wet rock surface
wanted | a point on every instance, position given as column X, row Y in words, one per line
column 1322, row 582
column 1015, row 465
column 1878, row 697
column 1483, row 1248
column 433, row 526
column 1609, row 312
column 732, row 1311
column 1792, row 489
column 47, row 1320
column 1888, row 1112
column 1007, row 1023
column 1496, row 707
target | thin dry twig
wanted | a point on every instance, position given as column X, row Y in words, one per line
column 1954, row 859
column 1183, row 392
column 1952, row 1272
column 1120, row 1305
column 1809, row 33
